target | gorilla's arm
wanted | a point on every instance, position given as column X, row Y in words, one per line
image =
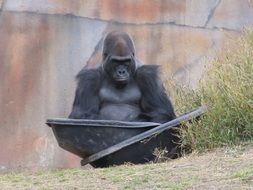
column 86, row 103
column 154, row 102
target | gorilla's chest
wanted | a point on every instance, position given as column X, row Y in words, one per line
column 119, row 104
column 129, row 94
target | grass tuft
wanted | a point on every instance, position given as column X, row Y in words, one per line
column 227, row 90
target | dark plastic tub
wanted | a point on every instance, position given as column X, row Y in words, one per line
column 107, row 143
column 86, row 137
column 140, row 148
column 139, row 152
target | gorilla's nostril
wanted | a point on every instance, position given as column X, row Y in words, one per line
column 121, row 72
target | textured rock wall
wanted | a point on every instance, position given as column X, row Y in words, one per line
column 44, row 43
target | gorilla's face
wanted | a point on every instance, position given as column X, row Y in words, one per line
column 120, row 69
column 121, row 73
column 118, row 57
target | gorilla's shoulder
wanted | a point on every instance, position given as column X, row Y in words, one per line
column 147, row 72
column 89, row 74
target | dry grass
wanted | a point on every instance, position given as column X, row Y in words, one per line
column 227, row 90
column 227, row 168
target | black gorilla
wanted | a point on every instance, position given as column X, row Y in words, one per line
column 119, row 89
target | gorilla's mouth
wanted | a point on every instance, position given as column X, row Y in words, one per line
column 121, row 79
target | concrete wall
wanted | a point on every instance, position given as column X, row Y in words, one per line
column 44, row 43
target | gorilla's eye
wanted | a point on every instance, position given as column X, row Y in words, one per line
column 126, row 63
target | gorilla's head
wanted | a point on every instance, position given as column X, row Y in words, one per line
column 118, row 57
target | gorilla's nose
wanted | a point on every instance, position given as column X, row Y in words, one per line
column 121, row 72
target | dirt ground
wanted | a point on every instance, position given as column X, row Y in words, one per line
column 226, row 169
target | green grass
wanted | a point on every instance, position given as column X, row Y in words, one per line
column 246, row 174
column 226, row 89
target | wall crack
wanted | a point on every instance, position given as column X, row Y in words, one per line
column 212, row 11
column 129, row 23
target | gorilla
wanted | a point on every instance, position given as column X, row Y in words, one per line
column 120, row 88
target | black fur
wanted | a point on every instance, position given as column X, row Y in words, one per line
column 154, row 102
column 86, row 103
